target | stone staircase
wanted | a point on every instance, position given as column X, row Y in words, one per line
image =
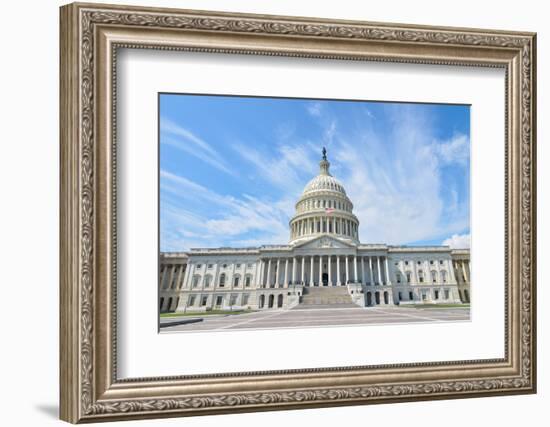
column 326, row 297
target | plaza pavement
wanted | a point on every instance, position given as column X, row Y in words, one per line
column 320, row 317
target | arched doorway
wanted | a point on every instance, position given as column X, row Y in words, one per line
column 386, row 298
column 325, row 279
column 262, row 301
column 169, row 304
column 466, row 295
column 161, row 303
column 270, row 301
column 280, row 300
column 369, row 299
column 377, row 297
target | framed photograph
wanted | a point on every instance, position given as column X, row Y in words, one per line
column 266, row 212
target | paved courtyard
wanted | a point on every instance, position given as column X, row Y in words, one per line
column 319, row 316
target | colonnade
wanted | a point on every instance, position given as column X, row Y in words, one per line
column 323, row 270
column 171, row 276
column 324, row 224
column 463, row 266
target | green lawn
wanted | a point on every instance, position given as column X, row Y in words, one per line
column 439, row 306
column 205, row 313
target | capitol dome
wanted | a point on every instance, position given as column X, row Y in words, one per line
column 324, row 209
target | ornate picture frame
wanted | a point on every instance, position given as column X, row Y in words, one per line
column 90, row 37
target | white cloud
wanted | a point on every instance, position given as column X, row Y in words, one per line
column 315, row 109
column 233, row 219
column 458, row 241
column 394, row 180
column 185, row 140
column 286, row 170
column 455, row 150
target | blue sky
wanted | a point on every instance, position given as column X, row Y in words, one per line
column 231, row 168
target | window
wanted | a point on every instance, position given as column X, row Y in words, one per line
column 411, row 296
column 446, row 294
column 418, row 262
column 199, row 266
column 222, row 280
column 436, row 292
column 236, row 281
column 210, row 265
column 207, row 281
column 408, row 276
column 398, row 277
column 440, row 262
column 443, row 276
column 432, row 262
column 249, row 265
column 219, row 301
column 233, row 300
column 400, row 295
column 406, row 262
column 225, row 266
column 434, row 276
column 238, row 266
column 245, row 299
column 247, row 281
column 191, row 301
column 420, row 276
column 424, row 297
column 204, row 300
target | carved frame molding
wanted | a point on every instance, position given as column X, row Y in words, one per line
column 90, row 37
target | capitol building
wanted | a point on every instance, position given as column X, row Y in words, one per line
column 323, row 264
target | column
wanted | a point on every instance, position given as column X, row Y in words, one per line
column 330, row 269
column 161, row 283
column 186, row 275
column 178, row 277
column 320, row 270
column 293, row 278
column 286, row 274
column 388, row 280
column 355, row 268
column 232, row 276
column 347, row 270
column 214, row 275
column 451, row 271
column 338, row 282
column 463, row 266
column 371, row 275
column 256, row 272
column 439, row 273
column 379, row 270
column 311, row 271
column 187, row 284
column 260, row 280
column 363, row 281
column 170, row 276
column 278, row 274
column 268, row 278
column 303, row 269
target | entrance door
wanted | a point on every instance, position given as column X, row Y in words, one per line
column 369, row 299
column 325, row 279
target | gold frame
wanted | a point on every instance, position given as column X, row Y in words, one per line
column 90, row 36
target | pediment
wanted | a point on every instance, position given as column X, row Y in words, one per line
column 322, row 242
